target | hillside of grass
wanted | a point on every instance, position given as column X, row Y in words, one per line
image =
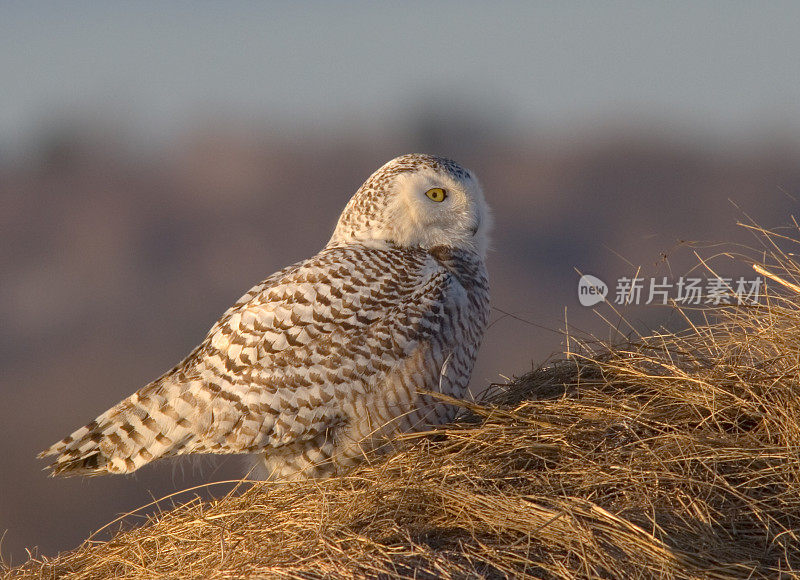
column 672, row 456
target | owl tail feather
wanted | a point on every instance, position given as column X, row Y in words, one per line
column 134, row 432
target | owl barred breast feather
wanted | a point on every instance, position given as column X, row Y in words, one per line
column 329, row 357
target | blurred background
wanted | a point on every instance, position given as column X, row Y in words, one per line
column 158, row 159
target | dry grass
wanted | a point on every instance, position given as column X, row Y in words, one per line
column 677, row 456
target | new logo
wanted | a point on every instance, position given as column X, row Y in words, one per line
column 591, row 290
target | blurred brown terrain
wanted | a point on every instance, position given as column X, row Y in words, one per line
column 115, row 262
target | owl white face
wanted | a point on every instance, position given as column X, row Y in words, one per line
column 430, row 208
column 419, row 201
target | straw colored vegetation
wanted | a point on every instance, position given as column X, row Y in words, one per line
column 676, row 456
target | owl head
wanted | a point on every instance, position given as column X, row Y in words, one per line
column 418, row 201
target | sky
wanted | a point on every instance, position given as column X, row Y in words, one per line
column 719, row 68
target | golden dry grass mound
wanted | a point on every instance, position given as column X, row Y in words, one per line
column 677, row 456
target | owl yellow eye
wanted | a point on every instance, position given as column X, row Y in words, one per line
column 436, row 194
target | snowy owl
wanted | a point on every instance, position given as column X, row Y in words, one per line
column 329, row 357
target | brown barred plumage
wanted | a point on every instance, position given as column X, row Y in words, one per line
column 325, row 358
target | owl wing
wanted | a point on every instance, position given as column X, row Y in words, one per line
column 277, row 365
column 276, row 368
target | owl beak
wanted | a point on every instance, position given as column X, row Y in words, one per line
column 475, row 228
